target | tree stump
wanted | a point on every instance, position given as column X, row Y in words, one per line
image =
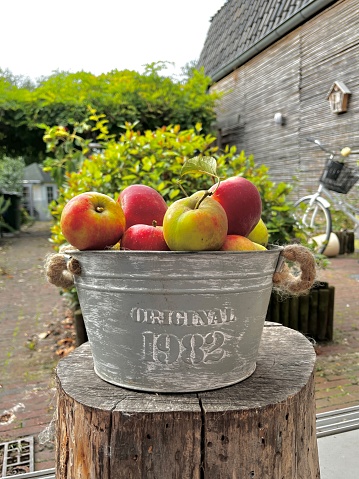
column 263, row 427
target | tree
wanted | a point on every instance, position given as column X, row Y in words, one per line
column 150, row 99
column 20, row 81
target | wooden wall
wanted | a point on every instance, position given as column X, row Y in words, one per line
column 293, row 77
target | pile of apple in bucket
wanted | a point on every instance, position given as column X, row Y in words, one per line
column 174, row 297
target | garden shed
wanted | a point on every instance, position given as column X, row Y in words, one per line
column 39, row 190
column 276, row 63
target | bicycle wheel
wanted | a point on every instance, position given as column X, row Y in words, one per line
column 315, row 220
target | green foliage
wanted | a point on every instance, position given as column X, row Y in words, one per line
column 340, row 221
column 150, row 99
column 20, row 81
column 11, row 173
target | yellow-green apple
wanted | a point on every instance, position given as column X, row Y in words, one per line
column 240, row 243
column 142, row 204
column 144, row 238
column 195, row 224
column 260, row 247
column 92, row 220
column 241, row 201
column 259, row 233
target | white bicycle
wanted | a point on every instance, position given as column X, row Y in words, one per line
column 313, row 211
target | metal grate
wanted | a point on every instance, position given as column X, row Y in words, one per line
column 17, row 456
column 44, row 474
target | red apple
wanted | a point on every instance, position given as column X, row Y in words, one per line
column 240, row 243
column 142, row 204
column 191, row 225
column 241, row 201
column 144, row 238
column 92, row 221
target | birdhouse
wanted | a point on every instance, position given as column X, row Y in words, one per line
column 338, row 97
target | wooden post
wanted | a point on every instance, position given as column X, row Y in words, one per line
column 294, row 313
column 351, row 242
column 284, row 311
column 330, row 325
column 275, row 308
column 323, row 308
column 263, row 427
column 313, row 313
column 304, row 313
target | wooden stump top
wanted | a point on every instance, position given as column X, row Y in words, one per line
column 285, row 362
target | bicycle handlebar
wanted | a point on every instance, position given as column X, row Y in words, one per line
column 344, row 151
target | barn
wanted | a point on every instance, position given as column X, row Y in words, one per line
column 288, row 70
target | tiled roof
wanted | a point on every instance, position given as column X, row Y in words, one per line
column 34, row 173
column 240, row 24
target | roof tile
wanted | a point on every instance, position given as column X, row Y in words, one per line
column 239, row 25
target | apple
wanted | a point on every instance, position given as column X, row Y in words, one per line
column 142, row 204
column 194, row 225
column 259, row 233
column 241, row 201
column 260, row 247
column 92, row 220
column 144, row 238
column 240, row 243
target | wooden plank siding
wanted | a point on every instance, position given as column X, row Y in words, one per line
column 330, row 52
column 293, row 77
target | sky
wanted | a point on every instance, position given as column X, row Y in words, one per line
column 38, row 37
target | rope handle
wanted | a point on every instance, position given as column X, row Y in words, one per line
column 285, row 280
column 60, row 269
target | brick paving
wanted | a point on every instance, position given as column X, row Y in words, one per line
column 337, row 375
column 30, row 307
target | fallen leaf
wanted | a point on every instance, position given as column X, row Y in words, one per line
column 64, row 341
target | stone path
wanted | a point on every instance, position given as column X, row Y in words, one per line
column 31, row 311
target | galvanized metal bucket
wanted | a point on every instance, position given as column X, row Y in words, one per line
column 175, row 321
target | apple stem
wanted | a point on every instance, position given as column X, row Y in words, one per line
column 182, row 189
column 154, row 223
column 218, row 183
column 99, row 209
column 205, row 195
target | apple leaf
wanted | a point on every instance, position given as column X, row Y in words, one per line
column 200, row 164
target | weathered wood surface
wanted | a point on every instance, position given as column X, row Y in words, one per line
column 293, row 77
column 263, row 427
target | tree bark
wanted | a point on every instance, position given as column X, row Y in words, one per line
column 263, row 427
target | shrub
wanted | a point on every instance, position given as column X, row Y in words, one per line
column 11, row 173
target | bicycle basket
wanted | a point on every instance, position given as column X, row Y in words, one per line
column 339, row 177
column 332, row 169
